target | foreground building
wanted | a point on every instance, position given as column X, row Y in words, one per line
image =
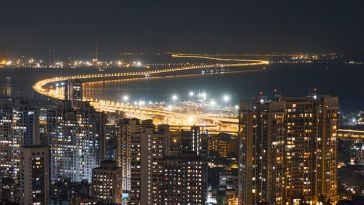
column 73, row 92
column 288, row 150
column 75, row 132
column 18, row 127
column 106, row 182
column 150, row 156
column 185, row 179
column 35, row 175
column 127, row 129
column 146, row 163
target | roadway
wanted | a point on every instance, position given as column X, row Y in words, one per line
column 160, row 116
column 46, row 87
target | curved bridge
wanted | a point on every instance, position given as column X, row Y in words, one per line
column 230, row 125
column 159, row 116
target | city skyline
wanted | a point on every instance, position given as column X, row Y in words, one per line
column 182, row 102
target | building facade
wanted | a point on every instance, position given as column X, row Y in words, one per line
column 195, row 140
column 35, row 175
column 106, row 182
column 146, row 163
column 288, row 150
column 75, row 136
column 223, row 145
column 73, row 92
column 184, row 179
column 18, row 127
column 150, row 155
column 127, row 128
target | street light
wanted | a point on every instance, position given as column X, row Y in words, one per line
column 212, row 103
column 226, row 98
column 191, row 120
column 125, row 98
column 204, row 95
column 141, row 103
column 237, row 109
column 191, row 93
column 174, row 98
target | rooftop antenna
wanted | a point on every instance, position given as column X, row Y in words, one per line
column 49, row 58
column 96, row 52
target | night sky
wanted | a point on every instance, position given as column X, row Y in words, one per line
column 258, row 26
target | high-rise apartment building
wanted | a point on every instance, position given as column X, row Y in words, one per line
column 35, row 175
column 75, row 136
column 73, row 92
column 18, row 127
column 112, row 133
column 195, row 140
column 127, row 128
column 223, row 145
column 184, row 179
column 146, row 163
column 106, row 182
column 288, row 150
column 146, row 153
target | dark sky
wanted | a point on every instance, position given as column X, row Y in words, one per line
column 189, row 26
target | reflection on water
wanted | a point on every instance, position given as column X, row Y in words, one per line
column 7, row 89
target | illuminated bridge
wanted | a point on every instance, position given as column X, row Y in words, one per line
column 350, row 134
column 159, row 116
column 46, row 87
column 40, row 85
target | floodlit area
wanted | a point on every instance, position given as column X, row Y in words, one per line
column 219, row 115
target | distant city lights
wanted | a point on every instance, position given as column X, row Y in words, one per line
column 137, row 63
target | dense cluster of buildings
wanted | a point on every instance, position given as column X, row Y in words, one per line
column 285, row 153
